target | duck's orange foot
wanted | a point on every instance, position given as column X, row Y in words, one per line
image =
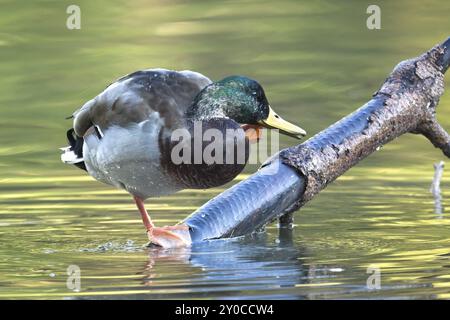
column 170, row 236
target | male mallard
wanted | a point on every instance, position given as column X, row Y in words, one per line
column 122, row 137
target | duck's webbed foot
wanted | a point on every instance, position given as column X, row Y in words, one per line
column 170, row 236
column 166, row 237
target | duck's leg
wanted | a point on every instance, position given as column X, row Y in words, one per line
column 168, row 236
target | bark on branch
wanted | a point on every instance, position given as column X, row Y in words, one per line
column 405, row 103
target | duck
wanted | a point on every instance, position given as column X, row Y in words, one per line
column 124, row 136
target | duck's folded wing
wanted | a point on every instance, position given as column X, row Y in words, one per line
column 133, row 98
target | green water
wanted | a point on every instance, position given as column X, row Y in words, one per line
column 317, row 62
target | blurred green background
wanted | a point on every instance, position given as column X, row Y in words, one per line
column 317, row 62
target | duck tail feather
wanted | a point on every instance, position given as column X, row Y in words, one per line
column 73, row 154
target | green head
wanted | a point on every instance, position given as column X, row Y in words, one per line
column 241, row 99
column 238, row 98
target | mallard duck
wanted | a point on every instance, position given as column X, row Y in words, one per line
column 124, row 136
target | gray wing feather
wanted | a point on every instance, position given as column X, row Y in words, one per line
column 134, row 97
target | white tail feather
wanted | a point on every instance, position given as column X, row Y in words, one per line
column 69, row 156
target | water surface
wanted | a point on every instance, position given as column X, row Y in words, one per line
column 317, row 62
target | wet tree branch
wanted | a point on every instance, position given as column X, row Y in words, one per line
column 405, row 103
column 437, row 135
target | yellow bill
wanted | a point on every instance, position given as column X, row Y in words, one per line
column 274, row 121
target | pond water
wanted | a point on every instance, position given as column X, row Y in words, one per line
column 317, row 62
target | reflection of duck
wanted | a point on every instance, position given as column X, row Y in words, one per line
column 250, row 267
column 123, row 136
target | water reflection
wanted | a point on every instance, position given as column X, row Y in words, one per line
column 250, row 263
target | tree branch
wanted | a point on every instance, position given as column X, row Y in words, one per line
column 437, row 135
column 405, row 103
